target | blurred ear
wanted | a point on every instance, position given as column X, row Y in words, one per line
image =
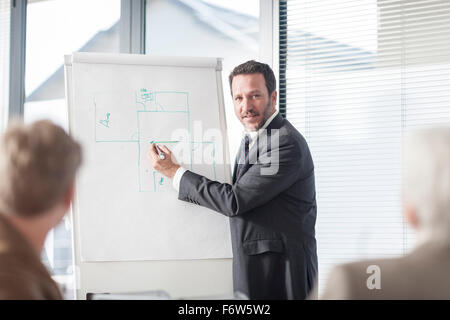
column 411, row 216
column 68, row 197
column 273, row 99
column 63, row 206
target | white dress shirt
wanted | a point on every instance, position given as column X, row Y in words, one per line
column 252, row 135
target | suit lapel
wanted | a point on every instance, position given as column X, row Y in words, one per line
column 252, row 157
column 238, row 156
column 276, row 123
column 235, row 168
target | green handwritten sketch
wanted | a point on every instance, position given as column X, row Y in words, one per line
column 158, row 183
column 147, row 95
column 118, row 130
column 162, row 101
column 146, row 100
column 135, row 136
column 105, row 122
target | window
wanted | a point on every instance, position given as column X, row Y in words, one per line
column 209, row 28
column 4, row 59
column 356, row 76
column 56, row 28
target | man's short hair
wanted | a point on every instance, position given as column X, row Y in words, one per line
column 38, row 164
column 252, row 67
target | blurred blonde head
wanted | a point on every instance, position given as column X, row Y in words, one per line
column 426, row 181
column 38, row 164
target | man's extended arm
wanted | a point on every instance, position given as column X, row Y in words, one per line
column 177, row 178
column 253, row 189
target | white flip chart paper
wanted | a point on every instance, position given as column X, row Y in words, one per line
column 119, row 105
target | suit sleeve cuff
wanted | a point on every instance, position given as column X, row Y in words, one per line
column 177, row 178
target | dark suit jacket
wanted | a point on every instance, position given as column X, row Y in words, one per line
column 22, row 274
column 272, row 216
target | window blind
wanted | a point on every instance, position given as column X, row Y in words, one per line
column 355, row 77
column 5, row 20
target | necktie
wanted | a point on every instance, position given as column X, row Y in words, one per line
column 245, row 149
column 243, row 155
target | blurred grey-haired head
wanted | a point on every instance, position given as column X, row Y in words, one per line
column 426, row 180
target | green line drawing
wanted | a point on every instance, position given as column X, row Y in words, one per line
column 148, row 111
column 108, row 127
column 161, row 101
column 159, row 183
column 106, row 121
column 183, row 115
column 147, row 101
column 144, row 97
column 134, row 136
column 173, row 141
column 158, row 179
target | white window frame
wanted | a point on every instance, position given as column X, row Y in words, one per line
column 269, row 35
column 132, row 40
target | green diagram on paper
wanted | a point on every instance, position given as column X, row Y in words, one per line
column 171, row 101
column 152, row 116
column 105, row 122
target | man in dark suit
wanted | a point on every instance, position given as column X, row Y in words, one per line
column 272, row 200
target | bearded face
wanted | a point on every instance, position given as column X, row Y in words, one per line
column 252, row 103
